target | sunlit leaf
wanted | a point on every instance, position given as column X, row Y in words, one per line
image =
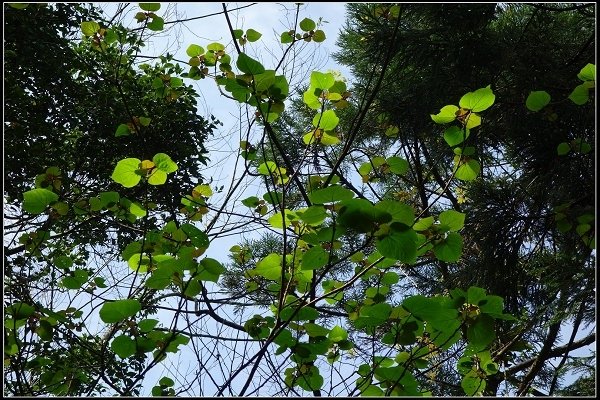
column 326, row 120
column 321, row 80
column 89, row 28
column 587, row 73
column 35, row 201
column 125, row 172
column 194, row 50
column 468, row 170
column 455, row 135
column 447, row 114
column 479, row 100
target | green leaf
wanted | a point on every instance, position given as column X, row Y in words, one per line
column 447, row 114
column 587, row 73
column 35, row 201
column 192, row 287
column 314, row 258
column 277, row 220
column 145, row 121
column 389, row 278
column 63, row 262
column 397, row 165
column 194, row 50
column 491, row 305
column 479, row 100
column 123, row 346
column 89, row 28
column 319, row 36
column 472, row 120
column 337, row 334
column 286, row 38
column 453, row 219
column 166, row 382
column 423, row 224
column 249, row 65
column 400, row 212
column 157, row 24
column 139, row 263
column 269, row 267
column 117, row 311
column 454, row 135
column 315, row 330
column 321, row 80
column 579, row 95
column 147, row 325
column 197, row 237
column 307, row 24
column 563, row 148
column 481, row 333
column 330, row 194
column 150, row 6
column 210, row 270
column 313, row 215
column 122, row 130
column 18, row 6
column 326, row 120
column 537, row 100
column 253, row 35
column 158, row 177
column 475, row 295
column 164, row 163
column 136, row 209
column 20, row 310
column 125, row 172
column 468, row 171
column 306, row 313
column 450, row 248
column 473, row 384
column 252, row 201
column 399, row 245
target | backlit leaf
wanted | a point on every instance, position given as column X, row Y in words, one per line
column 447, row 114
column 125, row 172
column 326, row 120
column 479, row 100
column 35, row 201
